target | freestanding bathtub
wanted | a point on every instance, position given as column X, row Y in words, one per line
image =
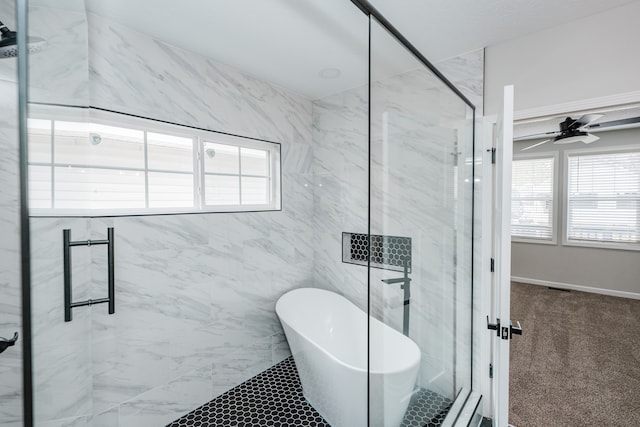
column 327, row 335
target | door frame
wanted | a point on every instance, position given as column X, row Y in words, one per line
column 483, row 357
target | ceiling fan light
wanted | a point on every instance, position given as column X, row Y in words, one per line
column 570, row 137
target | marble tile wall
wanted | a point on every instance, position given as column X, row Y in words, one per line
column 195, row 294
column 59, row 74
column 340, row 191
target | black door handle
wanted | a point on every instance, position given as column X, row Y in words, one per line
column 514, row 329
column 6, row 343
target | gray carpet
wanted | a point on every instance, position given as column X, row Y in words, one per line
column 578, row 362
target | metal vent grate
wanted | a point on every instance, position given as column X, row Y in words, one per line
column 387, row 252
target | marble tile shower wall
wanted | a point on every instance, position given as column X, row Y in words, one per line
column 340, row 199
column 60, row 73
column 195, row 294
column 417, row 209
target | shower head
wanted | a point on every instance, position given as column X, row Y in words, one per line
column 9, row 43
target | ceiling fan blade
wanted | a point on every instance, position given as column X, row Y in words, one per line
column 612, row 123
column 589, row 118
column 535, row 145
column 535, row 135
column 590, row 138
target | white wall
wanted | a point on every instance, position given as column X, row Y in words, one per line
column 608, row 270
column 588, row 58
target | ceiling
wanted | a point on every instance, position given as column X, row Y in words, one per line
column 473, row 24
column 290, row 42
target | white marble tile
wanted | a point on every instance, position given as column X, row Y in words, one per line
column 466, row 73
column 279, row 348
column 165, row 404
column 84, row 421
column 62, row 379
column 172, row 84
column 109, row 418
column 237, row 367
column 59, row 73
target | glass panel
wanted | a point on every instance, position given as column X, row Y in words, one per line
column 255, row 191
column 91, row 144
column 39, row 187
column 11, row 291
column 39, row 140
column 222, row 190
column 220, row 158
column 421, row 217
column 168, row 152
column 191, row 289
column 170, row 190
column 254, row 162
column 91, row 188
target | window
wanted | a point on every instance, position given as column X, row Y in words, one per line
column 532, row 199
column 603, row 198
column 120, row 165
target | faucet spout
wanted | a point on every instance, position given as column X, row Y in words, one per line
column 397, row 280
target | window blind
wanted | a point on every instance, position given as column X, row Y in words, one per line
column 532, row 198
column 604, row 197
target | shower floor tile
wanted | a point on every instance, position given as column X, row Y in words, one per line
column 426, row 409
column 271, row 398
column 274, row 398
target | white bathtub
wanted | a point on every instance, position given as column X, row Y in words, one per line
column 327, row 335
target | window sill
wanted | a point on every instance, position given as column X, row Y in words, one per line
column 602, row 245
column 534, row 241
column 106, row 213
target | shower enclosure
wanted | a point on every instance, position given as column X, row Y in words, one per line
column 190, row 162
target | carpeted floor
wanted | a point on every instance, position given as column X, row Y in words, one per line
column 578, row 361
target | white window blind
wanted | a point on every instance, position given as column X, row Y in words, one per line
column 134, row 166
column 604, row 197
column 532, row 198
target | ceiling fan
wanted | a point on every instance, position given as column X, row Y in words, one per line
column 576, row 130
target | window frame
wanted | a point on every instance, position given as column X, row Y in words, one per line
column 566, row 241
column 147, row 125
column 555, row 155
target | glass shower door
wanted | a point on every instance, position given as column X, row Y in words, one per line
column 420, row 277
column 10, row 311
column 11, row 356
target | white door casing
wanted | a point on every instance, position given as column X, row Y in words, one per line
column 502, row 247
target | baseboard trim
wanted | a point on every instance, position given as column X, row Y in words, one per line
column 580, row 288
